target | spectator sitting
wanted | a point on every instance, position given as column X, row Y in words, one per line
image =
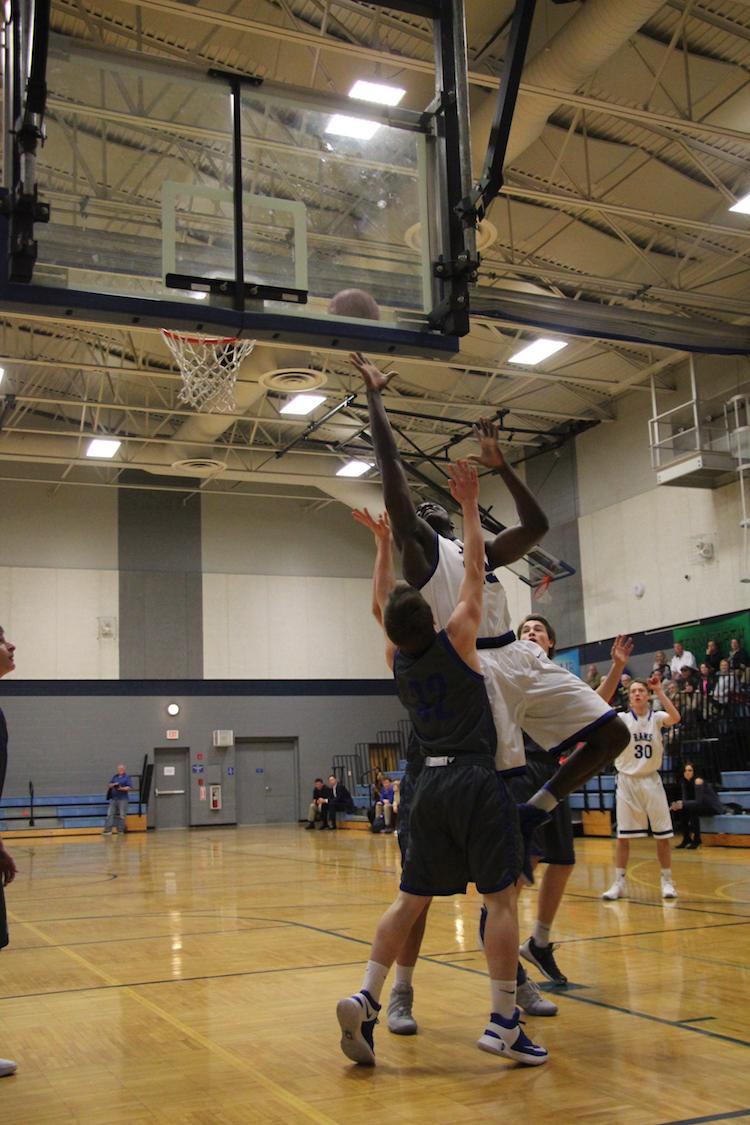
column 621, row 700
column 660, row 665
column 738, row 657
column 682, row 659
column 698, row 799
column 384, row 807
column 339, row 800
column 593, row 679
column 672, row 690
column 317, row 807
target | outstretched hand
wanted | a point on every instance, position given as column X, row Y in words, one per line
column 622, row 649
column 654, row 681
column 374, row 379
column 464, row 482
column 380, row 526
column 486, row 432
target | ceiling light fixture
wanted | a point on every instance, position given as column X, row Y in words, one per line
column 354, row 468
column 376, row 92
column 356, row 127
column 742, row 206
column 173, row 708
column 2, row 373
column 302, row 404
column 537, row 351
column 103, row 447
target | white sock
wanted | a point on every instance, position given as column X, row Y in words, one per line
column 404, row 973
column 666, row 874
column 503, row 997
column 541, row 934
column 543, row 799
column 375, row 975
column 619, row 874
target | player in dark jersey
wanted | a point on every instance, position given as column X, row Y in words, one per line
column 464, row 827
column 7, row 866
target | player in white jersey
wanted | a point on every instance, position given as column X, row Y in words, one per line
column 526, row 689
column 641, row 800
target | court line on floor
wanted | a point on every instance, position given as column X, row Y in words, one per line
column 674, row 905
column 734, row 1113
column 273, row 1088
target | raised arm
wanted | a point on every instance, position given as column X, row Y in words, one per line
column 383, row 576
column 463, row 624
column 532, row 526
column 413, row 537
column 673, row 715
column 621, row 650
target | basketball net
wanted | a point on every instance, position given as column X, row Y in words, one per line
column 208, row 366
column 541, row 593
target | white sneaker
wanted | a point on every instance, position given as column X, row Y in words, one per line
column 7, row 1066
column 617, row 890
column 668, row 889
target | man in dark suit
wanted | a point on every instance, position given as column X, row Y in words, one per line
column 339, row 800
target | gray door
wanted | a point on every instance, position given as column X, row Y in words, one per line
column 171, row 798
column 266, row 781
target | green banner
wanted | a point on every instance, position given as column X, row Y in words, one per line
column 720, row 629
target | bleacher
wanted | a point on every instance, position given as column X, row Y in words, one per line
column 82, row 813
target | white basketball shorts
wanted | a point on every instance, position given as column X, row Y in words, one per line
column 641, row 801
column 529, row 692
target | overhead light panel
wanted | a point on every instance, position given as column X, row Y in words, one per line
column 536, row 352
column 103, row 447
column 356, row 127
column 2, row 373
column 742, row 206
column 354, row 469
column 302, row 404
column 376, row 92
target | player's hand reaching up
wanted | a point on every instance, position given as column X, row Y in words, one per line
column 379, row 525
column 621, row 649
column 374, row 379
column 464, row 483
column 486, row 432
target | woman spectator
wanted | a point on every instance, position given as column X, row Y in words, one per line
column 722, row 687
column 698, row 799
column 660, row 665
column 705, row 689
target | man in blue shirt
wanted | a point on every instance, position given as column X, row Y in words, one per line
column 119, row 787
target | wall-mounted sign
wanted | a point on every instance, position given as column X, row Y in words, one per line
column 203, row 793
column 169, row 771
column 230, row 771
column 173, row 734
column 199, row 756
column 197, row 769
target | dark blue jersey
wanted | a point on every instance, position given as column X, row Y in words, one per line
column 3, row 750
column 446, row 700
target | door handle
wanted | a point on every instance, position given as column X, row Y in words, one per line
column 169, row 792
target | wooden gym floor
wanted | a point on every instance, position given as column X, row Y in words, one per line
column 193, row 976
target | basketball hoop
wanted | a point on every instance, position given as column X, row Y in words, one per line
column 541, row 592
column 208, row 366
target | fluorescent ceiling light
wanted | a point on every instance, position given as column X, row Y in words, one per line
column 356, row 127
column 354, row 469
column 537, row 351
column 302, row 404
column 2, row 373
column 742, row 206
column 376, row 92
column 103, row 447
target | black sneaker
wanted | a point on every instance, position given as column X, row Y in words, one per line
column 543, row 957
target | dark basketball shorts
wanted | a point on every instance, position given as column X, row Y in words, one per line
column 553, row 841
column 3, row 920
column 463, row 828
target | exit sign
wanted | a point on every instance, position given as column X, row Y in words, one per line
column 173, row 734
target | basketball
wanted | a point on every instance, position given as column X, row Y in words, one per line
column 355, row 302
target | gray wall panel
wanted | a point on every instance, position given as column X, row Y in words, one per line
column 72, row 744
column 161, row 593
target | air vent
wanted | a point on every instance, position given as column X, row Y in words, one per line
column 292, row 380
column 199, row 466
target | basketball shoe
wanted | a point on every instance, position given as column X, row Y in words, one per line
column 357, row 1016
column 506, row 1038
column 400, row 1018
column 543, row 957
column 7, row 1067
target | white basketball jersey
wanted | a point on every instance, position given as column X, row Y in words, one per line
column 440, row 591
column 644, row 752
